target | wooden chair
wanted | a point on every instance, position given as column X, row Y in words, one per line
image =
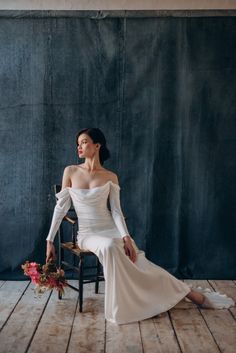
column 78, row 254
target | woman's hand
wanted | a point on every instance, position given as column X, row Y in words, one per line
column 50, row 254
column 129, row 249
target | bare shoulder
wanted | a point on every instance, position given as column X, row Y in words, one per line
column 66, row 178
column 69, row 169
column 113, row 177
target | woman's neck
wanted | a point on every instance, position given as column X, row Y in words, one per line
column 92, row 165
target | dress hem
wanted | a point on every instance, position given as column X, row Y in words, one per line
column 152, row 314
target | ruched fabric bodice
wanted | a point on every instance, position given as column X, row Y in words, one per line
column 91, row 203
column 91, row 207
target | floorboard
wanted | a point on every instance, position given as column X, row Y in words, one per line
column 29, row 323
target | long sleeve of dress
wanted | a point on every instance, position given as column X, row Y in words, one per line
column 62, row 206
column 117, row 214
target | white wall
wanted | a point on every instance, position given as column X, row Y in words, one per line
column 117, row 4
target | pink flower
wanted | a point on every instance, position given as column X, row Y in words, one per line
column 44, row 277
column 32, row 271
column 35, row 278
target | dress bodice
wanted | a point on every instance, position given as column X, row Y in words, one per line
column 89, row 203
column 90, row 206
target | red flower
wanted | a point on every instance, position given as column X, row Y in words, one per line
column 45, row 277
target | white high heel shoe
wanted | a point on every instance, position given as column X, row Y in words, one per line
column 213, row 300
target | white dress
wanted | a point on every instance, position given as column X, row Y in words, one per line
column 133, row 291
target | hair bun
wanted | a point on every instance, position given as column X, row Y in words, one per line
column 104, row 153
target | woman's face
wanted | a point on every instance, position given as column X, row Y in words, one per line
column 86, row 147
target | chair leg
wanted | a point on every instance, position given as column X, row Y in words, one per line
column 97, row 274
column 74, row 236
column 60, row 255
column 81, row 282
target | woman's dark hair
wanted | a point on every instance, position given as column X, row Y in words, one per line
column 98, row 137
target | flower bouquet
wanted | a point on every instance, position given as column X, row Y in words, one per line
column 45, row 277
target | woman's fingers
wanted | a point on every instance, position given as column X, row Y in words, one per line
column 50, row 254
column 133, row 255
column 130, row 251
column 126, row 250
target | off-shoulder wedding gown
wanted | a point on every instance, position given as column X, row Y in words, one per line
column 133, row 291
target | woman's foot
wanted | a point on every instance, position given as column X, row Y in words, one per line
column 200, row 299
column 196, row 297
column 205, row 298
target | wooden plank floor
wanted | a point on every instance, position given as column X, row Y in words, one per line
column 46, row 324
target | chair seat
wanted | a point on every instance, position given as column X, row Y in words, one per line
column 75, row 249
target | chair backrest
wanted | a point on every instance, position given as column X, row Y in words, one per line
column 56, row 188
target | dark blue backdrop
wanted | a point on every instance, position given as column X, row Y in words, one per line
column 162, row 89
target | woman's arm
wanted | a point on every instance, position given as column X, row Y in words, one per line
column 117, row 214
column 116, row 211
column 62, row 206
column 66, row 178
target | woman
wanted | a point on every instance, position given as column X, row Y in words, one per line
column 135, row 288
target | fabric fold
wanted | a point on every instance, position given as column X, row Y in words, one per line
column 60, row 210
